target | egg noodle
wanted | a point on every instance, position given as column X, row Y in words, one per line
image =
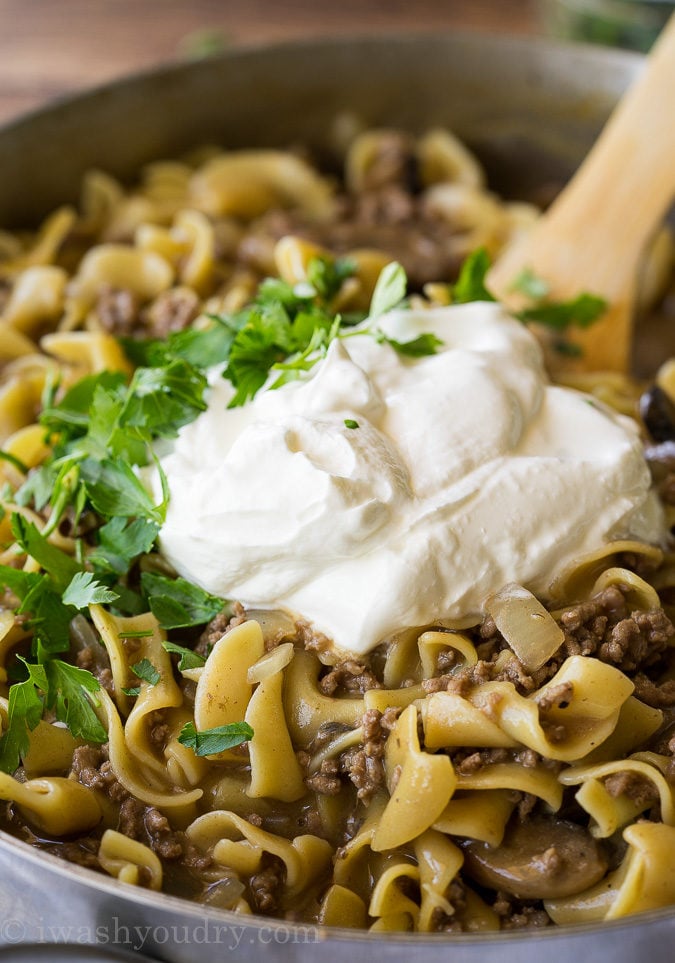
column 471, row 775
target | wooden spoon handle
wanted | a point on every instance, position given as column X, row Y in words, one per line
column 593, row 236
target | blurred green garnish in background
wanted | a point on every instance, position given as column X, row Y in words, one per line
column 619, row 23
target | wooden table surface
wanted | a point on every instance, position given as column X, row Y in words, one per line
column 52, row 47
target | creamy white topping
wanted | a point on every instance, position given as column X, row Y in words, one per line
column 467, row 471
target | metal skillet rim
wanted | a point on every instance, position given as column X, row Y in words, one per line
column 96, row 881
column 145, row 897
column 176, row 66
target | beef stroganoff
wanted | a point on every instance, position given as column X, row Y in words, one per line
column 320, row 601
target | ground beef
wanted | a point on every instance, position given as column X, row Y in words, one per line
column 172, row 311
column 217, row 627
column 130, row 820
column 91, row 767
column 310, row 638
column 442, row 922
column 393, row 163
column 438, row 683
column 463, row 681
column 517, row 914
column 150, row 826
column 469, row 761
column 81, row 852
column 327, row 780
column 642, row 791
column 660, row 696
column 265, row 886
column 167, row 843
column 87, row 760
column 638, row 640
column 349, row 676
column 603, row 627
column 365, row 766
column 117, row 310
column 525, row 804
column 557, row 697
column 95, row 660
column 387, row 214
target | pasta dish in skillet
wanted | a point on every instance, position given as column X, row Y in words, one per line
column 417, row 676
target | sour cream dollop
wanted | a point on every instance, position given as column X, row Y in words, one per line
column 467, row 471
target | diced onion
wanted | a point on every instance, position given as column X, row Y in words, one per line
column 528, row 628
column 271, row 663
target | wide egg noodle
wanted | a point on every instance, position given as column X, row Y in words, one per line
column 589, row 715
column 225, row 834
column 137, row 780
column 275, row 771
column 307, row 708
column 420, row 785
column 129, row 860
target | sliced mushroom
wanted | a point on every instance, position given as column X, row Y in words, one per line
column 542, row 858
column 658, row 413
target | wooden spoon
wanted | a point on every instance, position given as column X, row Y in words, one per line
column 595, row 233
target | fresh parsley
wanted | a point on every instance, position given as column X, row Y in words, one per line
column 188, row 658
column 210, row 741
column 84, row 590
column 531, row 285
column 581, row 312
column 470, row 285
column 60, row 687
column 146, row 671
column 390, row 290
column 285, row 330
column 350, row 423
column 177, row 603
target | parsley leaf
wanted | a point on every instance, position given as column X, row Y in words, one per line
column 120, row 541
column 326, row 276
column 114, row 489
column 146, row 671
column 162, row 400
column 60, row 566
column 389, row 290
column 73, row 412
column 265, row 339
column 177, row 603
column 188, row 658
column 581, row 312
column 133, row 691
column 66, row 690
column 210, row 741
column 67, row 694
column 85, row 590
column 425, row 344
column 203, row 348
column 531, row 285
column 470, row 285
column 38, row 487
column 24, row 711
column 49, row 617
column 350, row 423
column 13, row 460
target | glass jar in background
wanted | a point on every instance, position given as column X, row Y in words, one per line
column 621, row 23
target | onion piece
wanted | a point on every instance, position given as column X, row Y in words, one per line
column 271, row 663
column 529, row 629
